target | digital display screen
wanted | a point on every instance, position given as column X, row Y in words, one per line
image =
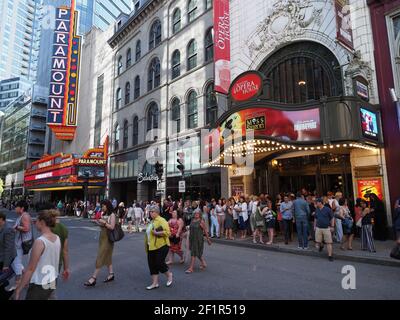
column 369, row 124
column 91, row 172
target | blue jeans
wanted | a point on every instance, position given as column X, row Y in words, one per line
column 302, row 232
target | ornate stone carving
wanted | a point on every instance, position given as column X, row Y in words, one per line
column 357, row 67
column 286, row 22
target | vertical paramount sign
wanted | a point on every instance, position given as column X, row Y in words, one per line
column 62, row 108
column 222, row 46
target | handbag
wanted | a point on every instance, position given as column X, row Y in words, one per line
column 395, row 253
column 359, row 223
column 27, row 244
column 116, row 234
column 259, row 219
column 348, row 222
column 175, row 239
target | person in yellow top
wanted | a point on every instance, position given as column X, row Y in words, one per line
column 157, row 247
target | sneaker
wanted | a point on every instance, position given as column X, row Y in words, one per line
column 305, row 248
column 299, row 247
column 330, row 258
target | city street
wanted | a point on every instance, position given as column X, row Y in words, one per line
column 232, row 273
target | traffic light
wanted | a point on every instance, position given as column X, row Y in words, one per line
column 159, row 170
column 181, row 162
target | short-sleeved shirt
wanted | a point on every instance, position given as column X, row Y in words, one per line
column 62, row 233
column 324, row 217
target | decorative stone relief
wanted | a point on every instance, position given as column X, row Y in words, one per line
column 357, row 67
column 288, row 20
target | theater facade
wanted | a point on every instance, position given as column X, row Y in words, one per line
column 306, row 87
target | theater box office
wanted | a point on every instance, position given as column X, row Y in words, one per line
column 65, row 176
column 316, row 145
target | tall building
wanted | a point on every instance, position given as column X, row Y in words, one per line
column 22, row 140
column 163, row 89
column 101, row 13
column 19, row 38
column 10, row 89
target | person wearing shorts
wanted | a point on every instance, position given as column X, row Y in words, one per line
column 324, row 224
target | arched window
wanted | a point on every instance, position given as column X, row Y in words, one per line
column 118, row 98
column 176, row 21
column 192, row 8
column 127, row 93
column 116, row 137
column 125, row 135
column 128, row 58
column 136, row 94
column 155, row 34
column 192, row 110
column 119, row 66
column 154, row 74
column 192, row 55
column 135, row 135
column 302, row 72
column 176, row 114
column 208, row 4
column 209, row 45
column 176, row 64
column 138, row 52
column 211, row 105
column 152, row 116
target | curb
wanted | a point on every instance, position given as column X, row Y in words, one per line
column 383, row 262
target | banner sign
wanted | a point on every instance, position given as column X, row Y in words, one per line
column 63, row 96
column 222, row 46
column 344, row 31
column 50, row 174
column 296, row 126
column 370, row 185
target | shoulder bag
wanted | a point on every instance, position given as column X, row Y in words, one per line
column 116, row 234
column 27, row 244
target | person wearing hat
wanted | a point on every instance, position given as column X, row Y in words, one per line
column 324, row 224
column 157, row 247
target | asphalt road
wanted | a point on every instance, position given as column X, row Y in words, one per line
column 232, row 273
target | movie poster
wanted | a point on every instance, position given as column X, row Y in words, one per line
column 369, row 185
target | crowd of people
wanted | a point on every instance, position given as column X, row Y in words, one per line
column 181, row 228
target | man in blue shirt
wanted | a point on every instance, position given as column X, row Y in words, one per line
column 301, row 213
column 287, row 217
column 324, row 224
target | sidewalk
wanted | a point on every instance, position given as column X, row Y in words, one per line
column 381, row 257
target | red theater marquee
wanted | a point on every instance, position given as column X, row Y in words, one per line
column 62, row 108
column 65, row 171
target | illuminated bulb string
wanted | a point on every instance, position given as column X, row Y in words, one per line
column 249, row 148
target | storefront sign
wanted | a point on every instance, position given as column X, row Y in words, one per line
column 246, row 86
column 92, row 161
column 362, row 90
column 343, row 23
column 295, row 126
column 222, row 48
column 45, row 164
column 146, row 177
column 51, row 174
column 62, row 108
column 370, row 185
column 369, row 124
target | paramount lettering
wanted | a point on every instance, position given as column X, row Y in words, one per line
column 59, row 63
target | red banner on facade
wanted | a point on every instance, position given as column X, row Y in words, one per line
column 343, row 23
column 222, row 46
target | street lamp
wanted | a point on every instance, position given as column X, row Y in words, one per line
column 85, row 191
column 11, row 194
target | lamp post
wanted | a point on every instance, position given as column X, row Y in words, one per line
column 85, row 191
column 11, row 194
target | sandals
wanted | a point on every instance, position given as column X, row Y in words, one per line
column 182, row 261
column 189, row 271
column 90, row 284
column 203, row 266
column 109, row 278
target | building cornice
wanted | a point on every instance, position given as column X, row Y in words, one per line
column 133, row 22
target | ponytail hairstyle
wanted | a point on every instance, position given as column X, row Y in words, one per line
column 49, row 217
